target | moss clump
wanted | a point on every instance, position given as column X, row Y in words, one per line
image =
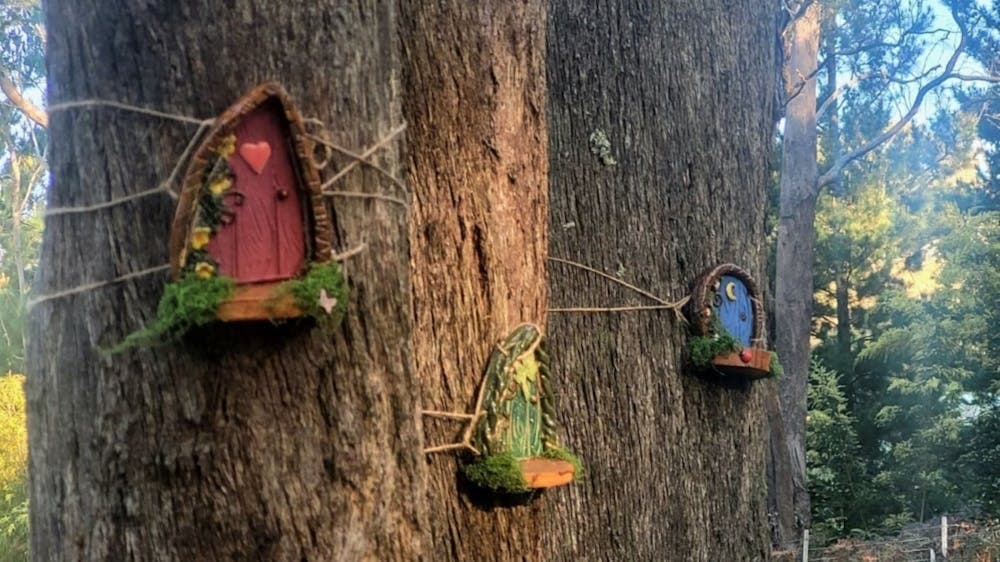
column 307, row 290
column 705, row 348
column 501, row 472
column 558, row 453
column 777, row 371
column 188, row 302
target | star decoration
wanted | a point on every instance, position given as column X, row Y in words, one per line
column 326, row 302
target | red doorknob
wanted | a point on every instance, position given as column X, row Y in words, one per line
column 282, row 194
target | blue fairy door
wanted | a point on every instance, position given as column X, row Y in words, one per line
column 735, row 310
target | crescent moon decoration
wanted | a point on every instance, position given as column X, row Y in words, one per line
column 731, row 291
column 727, row 322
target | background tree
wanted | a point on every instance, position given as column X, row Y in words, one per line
column 837, row 483
column 914, row 257
column 868, row 62
column 22, row 169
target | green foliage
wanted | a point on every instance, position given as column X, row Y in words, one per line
column 13, row 470
column 500, row 472
column 13, row 434
column 703, row 349
column 14, row 521
column 188, row 302
column 777, row 371
column 834, row 468
column 306, row 290
column 979, row 463
column 914, row 269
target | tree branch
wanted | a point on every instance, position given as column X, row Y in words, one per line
column 948, row 73
column 838, row 92
column 30, row 110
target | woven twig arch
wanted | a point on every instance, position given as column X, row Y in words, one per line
column 318, row 224
column 699, row 309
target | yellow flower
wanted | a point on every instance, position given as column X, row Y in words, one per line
column 227, row 147
column 204, row 270
column 219, row 185
column 200, row 237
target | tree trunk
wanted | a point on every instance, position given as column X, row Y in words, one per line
column 475, row 100
column 241, row 442
column 17, row 195
column 661, row 131
column 780, row 489
column 793, row 272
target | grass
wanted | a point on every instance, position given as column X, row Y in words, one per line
column 705, row 348
column 501, row 472
column 188, row 302
column 306, row 290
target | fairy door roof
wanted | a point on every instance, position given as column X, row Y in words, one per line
column 251, row 206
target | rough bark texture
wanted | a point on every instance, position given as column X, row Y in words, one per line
column 793, row 286
column 475, row 82
column 242, row 442
column 780, row 490
column 683, row 91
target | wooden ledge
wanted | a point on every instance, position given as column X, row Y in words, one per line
column 540, row 472
column 758, row 367
column 258, row 302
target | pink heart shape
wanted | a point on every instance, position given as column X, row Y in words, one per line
column 256, row 154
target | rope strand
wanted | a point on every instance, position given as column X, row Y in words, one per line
column 91, row 103
column 95, row 285
column 675, row 306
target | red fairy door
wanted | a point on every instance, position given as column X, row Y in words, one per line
column 262, row 237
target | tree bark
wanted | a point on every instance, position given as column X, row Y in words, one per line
column 793, row 270
column 241, row 442
column 661, row 131
column 475, row 100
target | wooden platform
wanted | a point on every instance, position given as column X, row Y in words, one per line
column 258, row 302
column 758, row 367
column 541, row 472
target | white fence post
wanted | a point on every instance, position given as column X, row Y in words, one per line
column 805, row 545
column 933, row 556
column 944, row 536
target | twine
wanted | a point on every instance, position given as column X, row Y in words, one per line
column 358, row 159
column 100, row 284
column 478, row 412
column 95, row 285
column 676, row 306
column 165, row 186
column 203, row 124
column 89, row 103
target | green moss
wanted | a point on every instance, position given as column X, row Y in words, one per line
column 306, row 290
column 777, row 371
column 500, row 472
column 705, row 348
column 188, row 302
column 558, row 453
